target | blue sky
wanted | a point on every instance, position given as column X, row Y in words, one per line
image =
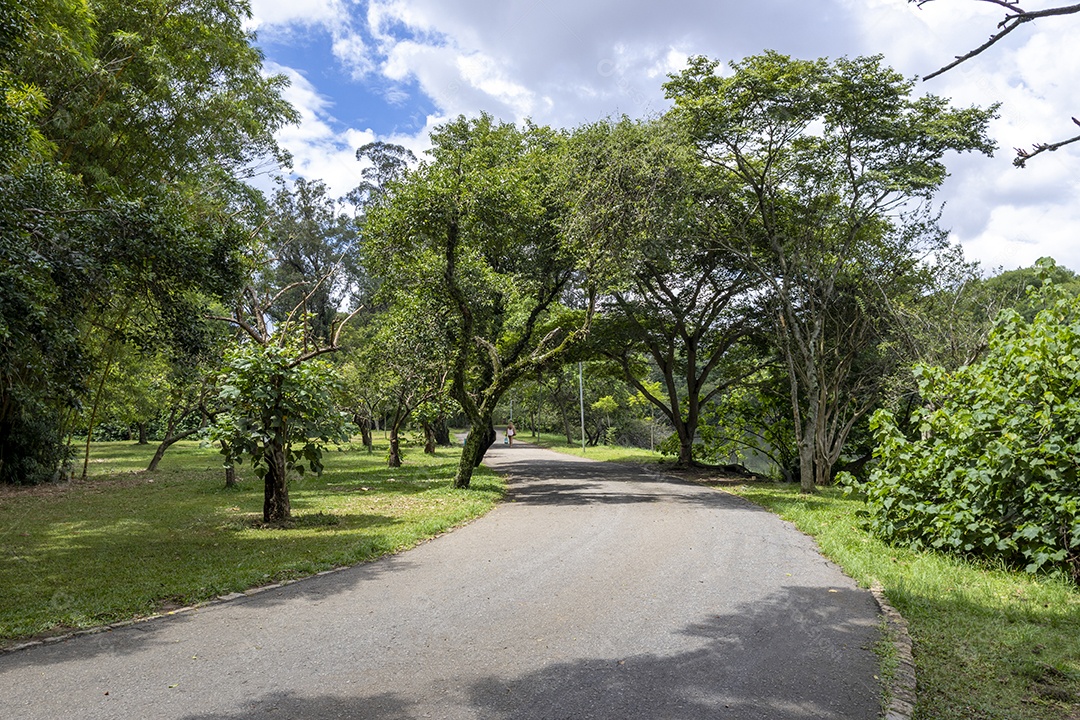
column 372, row 102
column 391, row 70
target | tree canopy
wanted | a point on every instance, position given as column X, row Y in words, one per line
column 481, row 220
column 821, row 172
column 127, row 132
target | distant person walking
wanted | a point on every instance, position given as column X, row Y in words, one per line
column 510, row 433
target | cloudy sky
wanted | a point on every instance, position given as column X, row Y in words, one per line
column 390, row 70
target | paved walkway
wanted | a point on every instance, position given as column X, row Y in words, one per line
column 596, row 591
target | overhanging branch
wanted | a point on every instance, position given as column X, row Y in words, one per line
column 1022, row 155
column 1015, row 16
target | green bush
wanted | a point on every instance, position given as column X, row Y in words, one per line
column 993, row 469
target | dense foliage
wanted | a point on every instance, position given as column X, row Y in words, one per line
column 127, row 130
column 280, row 416
column 991, row 469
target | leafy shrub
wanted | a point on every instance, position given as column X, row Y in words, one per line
column 278, row 406
column 993, row 471
column 752, row 423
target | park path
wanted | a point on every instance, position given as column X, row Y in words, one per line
column 596, row 591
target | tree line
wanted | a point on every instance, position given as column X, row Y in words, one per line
column 759, row 268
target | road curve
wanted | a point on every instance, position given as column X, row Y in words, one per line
column 596, row 591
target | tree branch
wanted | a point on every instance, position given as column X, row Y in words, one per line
column 1022, row 155
column 1010, row 25
column 1014, row 18
column 243, row 325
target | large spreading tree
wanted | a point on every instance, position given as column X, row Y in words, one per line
column 685, row 307
column 823, row 173
column 483, row 221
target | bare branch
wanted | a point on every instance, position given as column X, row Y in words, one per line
column 325, row 349
column 345, row 321
column 284, row 290
column 243, row 325
column 257, row 310
column 311, row 293
column 1022, row 155
column 1010, row 26
column 1015, row 17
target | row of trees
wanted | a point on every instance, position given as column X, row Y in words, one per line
column 757, row 265
column 763, row 234
column 770, row 225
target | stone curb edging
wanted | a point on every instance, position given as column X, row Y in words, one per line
column 903, row 689
column 219, row 600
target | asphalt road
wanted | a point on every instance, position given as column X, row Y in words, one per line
column 597, row 591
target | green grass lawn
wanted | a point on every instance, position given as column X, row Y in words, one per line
column 607, row 453
column 126, row 543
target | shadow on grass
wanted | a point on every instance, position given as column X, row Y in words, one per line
column 142, row 636
column 984, row 658
column 315, row 521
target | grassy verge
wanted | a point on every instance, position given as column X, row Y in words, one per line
column 608, row 453
column 989, row 644
column 127, row 543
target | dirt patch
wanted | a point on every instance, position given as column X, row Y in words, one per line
column 713, row 477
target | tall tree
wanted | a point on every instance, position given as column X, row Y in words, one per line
column 409, row 353
column 686, row 302
column 386, row 163
column 824, row 172
column 155, row 92
column 480, row 221
column 314, row 248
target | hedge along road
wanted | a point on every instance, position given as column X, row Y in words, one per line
column 595, row 591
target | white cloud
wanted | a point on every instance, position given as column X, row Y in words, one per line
column 319, row 150
column 290, row 12
column 1018, row 236
column 673, row 61
column 280, row 19
column 566, row 62
column 354, row 53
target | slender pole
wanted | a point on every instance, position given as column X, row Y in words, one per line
column 581, row 400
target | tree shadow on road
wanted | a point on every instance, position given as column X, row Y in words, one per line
column 570, row 483
column 796, row 655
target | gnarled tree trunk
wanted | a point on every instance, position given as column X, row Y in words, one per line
column 276, row 507
column 481, row 437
